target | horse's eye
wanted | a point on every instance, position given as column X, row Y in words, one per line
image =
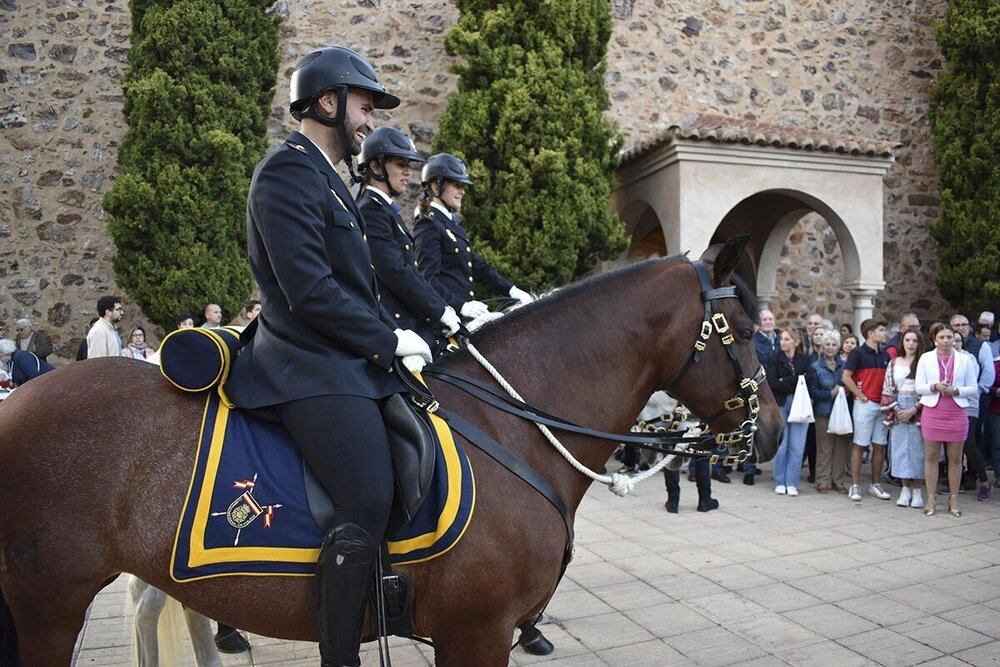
column 745, row 334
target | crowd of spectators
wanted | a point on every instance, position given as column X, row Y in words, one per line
column 25, row 356
column 920, row 410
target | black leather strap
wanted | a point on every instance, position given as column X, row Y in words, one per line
column 654, row 442
column 513, row 463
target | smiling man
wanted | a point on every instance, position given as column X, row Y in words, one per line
column 318, row 357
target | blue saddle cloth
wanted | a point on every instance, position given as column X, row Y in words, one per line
column 246, row 511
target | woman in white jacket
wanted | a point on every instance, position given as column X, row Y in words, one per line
column 946, row 382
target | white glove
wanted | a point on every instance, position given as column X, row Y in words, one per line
column 414, row 363
column 523, row 297
column 450, row 321
column 473, row 309
column 410, row 344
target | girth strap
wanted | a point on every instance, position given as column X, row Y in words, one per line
column 516, row 465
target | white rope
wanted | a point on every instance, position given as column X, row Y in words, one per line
column 618, row 483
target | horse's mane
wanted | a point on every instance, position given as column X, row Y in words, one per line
column 594, row 285
column 597, row 284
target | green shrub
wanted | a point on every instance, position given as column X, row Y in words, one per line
column 965, row 123
column 529, row 120
column 198, row 93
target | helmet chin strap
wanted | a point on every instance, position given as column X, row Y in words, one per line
column 339, row 121
column 383, row 177
column 440, row 184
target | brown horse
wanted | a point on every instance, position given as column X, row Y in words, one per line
column 95, row 461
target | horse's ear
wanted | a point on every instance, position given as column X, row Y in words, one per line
column 726, row 258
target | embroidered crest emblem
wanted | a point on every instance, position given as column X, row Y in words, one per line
column 245, row 509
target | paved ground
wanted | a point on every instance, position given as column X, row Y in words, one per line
column 765, row 580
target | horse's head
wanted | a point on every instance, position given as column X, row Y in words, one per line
column 715, row 370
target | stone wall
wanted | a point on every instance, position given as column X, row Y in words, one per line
column 844, row 66
column 60, row 111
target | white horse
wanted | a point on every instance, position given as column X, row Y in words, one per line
column 150, row 624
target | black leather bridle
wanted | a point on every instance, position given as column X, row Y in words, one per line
column 739, row 442
column 746, row 395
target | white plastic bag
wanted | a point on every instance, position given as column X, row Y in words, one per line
column 802, row 407
column 840, row 416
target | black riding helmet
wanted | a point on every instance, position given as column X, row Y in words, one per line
column 385, row 142
column 330, row 68
column 444, row 167
column 440, row 168
column 334, row 68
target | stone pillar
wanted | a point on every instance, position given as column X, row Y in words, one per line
column 863, row 300
column 765, row 297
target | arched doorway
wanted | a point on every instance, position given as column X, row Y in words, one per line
column 710, row 176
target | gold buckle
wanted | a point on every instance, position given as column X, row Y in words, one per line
column 734, row 403
column 700, row 345
column 727, row 339
column 706, row 330
column 716, row 319
column 754, row 405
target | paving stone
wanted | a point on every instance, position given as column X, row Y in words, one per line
column 729, row 605
column 576, row 604
column 715, row 647
column 885, row 647
column 829, row 588
column 607, row 631
column 630, row 595
column 880, row 609
column 780, row 597
column 647, row 654
column 942, row 635
column 832, row 622
column 736, row 576
column 926, row 598
column 987, row 654
column 965, row 587
column 824, row 654
column 975, row 617
column 774, row 633
column 669, row 620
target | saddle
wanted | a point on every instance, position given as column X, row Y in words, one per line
column 197, row 359
column 411, row 445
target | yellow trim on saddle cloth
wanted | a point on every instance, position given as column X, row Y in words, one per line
column 199, row 555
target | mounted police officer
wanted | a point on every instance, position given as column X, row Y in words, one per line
column 384, row 166
column 320, row 351
column 444, row 252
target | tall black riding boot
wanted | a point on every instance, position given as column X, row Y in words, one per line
column 344, row 575
column 703, row 478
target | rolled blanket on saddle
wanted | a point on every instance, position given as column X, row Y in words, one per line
column 197, row 359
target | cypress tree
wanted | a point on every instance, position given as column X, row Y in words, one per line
column 198, row 93
column 965, row 124
column 528, row 118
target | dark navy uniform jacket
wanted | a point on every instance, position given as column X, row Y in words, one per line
column 321, row 330
column 409, row 300
column 447, row 261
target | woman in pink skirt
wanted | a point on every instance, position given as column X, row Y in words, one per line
column 945, row 382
